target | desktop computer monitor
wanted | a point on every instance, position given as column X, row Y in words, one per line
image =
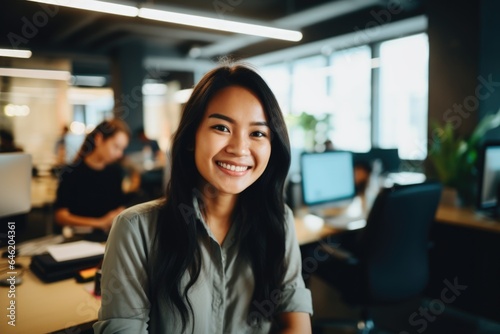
column 489, row 178
column 327, row 178
column 15, row 184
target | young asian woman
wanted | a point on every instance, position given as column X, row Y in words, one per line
column 219, row 254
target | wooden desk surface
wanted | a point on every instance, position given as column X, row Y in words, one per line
column 44, row 308
column 311, row 228
column 466, row 217
column 311, row 231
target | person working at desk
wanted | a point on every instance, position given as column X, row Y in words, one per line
column 222, row 243
column 145, row 160
column 90, row 191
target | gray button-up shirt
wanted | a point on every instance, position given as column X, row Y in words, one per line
column 221, row 296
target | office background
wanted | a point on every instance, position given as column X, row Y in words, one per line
column 379, row 72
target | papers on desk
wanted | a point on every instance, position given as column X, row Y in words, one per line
column 75, row 250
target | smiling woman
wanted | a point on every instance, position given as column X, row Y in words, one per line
column 219, row 254
column 233, row 141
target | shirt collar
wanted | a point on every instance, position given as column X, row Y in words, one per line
column 231, row 234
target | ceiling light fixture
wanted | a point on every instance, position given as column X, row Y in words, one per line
column 15, row 53
column 35, row 74
column 179, row 18
column 13, row 110
column 96, row 6
column 218, row 24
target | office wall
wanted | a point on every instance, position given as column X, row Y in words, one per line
column 464, row 71
column 37, row 132
column 453, row 30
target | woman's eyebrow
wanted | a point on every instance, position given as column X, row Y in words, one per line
column 232, row 121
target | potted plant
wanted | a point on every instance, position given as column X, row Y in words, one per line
column 454, row 157
column 313, row 128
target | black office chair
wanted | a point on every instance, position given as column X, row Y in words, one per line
column 388, row 261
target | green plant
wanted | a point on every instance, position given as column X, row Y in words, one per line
column 454, row 157
column 315, row 127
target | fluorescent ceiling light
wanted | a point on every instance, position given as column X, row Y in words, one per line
column 13, row 110
column 174, row 17
column 218, row 24
column 15, row 53
column 97, row 6
column 35, row 74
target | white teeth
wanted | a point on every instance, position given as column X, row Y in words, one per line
column 232, row 167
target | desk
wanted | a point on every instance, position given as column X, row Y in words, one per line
column 44, row 308
column 466, row 247
column 460, row 217
column 312, row 228
column 466, row 217
column 308, row 234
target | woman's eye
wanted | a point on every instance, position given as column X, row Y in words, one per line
column 221, row 128
column 258, row 134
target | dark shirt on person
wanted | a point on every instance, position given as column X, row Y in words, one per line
column 88, row 192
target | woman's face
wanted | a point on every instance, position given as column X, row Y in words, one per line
column 233, row 141
column 111, row 149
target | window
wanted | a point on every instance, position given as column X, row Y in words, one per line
column 350, row 92
column 402, row 108
column 375, row 95
column 309, row 86
column 278, row 78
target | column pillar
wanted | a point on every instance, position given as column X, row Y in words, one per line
column 128, row 74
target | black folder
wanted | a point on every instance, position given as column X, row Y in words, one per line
column 49, row 270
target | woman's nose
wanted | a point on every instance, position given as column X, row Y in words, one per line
column 238, row 145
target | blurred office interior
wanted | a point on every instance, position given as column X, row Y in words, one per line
column 372, row 74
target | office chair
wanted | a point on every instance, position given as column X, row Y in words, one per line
column 388, row 260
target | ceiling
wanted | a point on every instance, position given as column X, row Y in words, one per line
column 89, row 39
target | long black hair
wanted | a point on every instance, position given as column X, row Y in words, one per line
column 262, row 236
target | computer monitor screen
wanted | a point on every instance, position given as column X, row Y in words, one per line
column 327, row 177
column 15, row 184
column 489, row 176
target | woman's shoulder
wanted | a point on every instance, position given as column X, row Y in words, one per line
column 142, row 211
column 142, row 217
